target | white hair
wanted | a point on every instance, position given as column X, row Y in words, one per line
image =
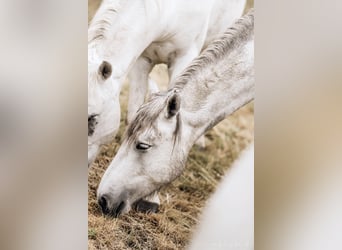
column 228, row 220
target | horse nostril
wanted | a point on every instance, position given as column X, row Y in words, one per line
column 111, row 210
column 91, row 124
column 103, row 204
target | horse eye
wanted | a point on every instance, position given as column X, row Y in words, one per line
column 142, row 146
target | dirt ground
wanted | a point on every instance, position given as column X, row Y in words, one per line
column 182, row 201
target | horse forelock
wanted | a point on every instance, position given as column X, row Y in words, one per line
column 147, row 114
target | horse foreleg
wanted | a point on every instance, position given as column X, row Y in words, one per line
column 138, row 78
column 179, row 64
column 149, row 204
column 152, row 86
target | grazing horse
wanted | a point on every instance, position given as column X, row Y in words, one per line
column 228, row 219
column 159, row 138
column 130, row 37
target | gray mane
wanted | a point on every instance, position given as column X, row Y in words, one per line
column 102, row 22
column 238, row 34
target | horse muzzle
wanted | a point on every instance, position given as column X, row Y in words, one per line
column 112, row 210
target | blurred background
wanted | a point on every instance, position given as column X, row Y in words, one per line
column 43, row 109
column 298, row 121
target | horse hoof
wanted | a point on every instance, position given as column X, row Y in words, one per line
column 146, row 206
column 201, row 142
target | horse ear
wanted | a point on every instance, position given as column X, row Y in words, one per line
column 105, row 70
column 173, row 105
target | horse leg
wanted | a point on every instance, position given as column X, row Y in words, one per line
column 149, row 204
column 152, row 86
column 138, row 78
column 179, row 64
column 139, row 81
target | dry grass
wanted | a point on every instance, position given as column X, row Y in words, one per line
column 181, row 201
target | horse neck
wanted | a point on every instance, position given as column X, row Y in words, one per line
column 218, row 90
column 119, row 32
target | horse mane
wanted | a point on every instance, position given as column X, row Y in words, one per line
column 103, row 20
column 239, row 33
column 235, row 36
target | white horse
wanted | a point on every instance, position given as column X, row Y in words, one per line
column 228, row 220
column 159, row 138
column 131, row 37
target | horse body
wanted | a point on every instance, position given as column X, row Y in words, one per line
column 228, row 220
column 133, row 36
column 160, row 136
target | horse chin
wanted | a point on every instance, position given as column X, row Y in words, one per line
column 93, row 150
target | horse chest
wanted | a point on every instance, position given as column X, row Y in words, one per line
column 161, row 52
